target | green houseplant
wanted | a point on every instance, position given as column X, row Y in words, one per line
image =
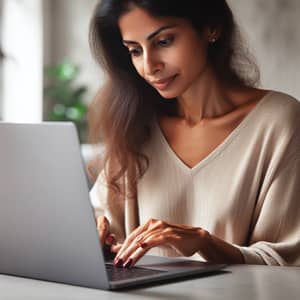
column 65, row 98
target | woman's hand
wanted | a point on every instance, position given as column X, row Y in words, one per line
column 185, row 240
column 107, row 239
column 103, row 229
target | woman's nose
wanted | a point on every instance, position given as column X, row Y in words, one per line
column 152, row 64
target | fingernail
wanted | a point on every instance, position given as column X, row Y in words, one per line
column 128, row 263
column 118, row 262
column 110, row 239
column 144, row 245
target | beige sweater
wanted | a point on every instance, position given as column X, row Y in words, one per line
column 247, row 191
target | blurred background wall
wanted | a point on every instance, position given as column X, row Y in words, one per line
column 271, row 29
column 66, row 25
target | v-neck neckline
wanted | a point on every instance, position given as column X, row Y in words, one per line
column 219, row 148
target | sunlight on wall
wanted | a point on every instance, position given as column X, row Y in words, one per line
column 22, row 41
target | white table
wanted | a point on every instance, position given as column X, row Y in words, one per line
column 240, row 283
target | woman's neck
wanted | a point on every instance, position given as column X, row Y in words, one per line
column 205, row 99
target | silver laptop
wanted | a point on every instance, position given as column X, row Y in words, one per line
column 47, row 224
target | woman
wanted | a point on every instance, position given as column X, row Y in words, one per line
column 198, row 160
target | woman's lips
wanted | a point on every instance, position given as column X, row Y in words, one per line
column 163, row 84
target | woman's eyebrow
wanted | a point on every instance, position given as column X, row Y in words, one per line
column 153, row 34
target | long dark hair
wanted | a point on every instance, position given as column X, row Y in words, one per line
column 126, row 105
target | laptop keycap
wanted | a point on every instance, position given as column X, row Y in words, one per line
column 117, row 274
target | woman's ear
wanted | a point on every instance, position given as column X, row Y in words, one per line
column 213, row 34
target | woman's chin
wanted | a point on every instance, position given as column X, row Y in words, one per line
column 168, row 94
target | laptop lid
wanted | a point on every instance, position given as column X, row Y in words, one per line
column 47, row 225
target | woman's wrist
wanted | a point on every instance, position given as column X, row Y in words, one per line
column 207, row 248
column 216, row 250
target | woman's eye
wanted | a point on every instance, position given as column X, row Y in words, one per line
column 135, row 52
column 165, row 42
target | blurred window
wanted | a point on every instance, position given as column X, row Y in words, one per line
column 22, row 42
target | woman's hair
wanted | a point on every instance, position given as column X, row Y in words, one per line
column 122, row 112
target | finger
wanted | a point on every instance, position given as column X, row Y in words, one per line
column 132, row 260
column 151, row 224
column 115, row 248
column 125, row 252
column 102, row 220
column 139, row 230
column 136, row 244
column 110, row 239
column 120, row 258
column 103, row 228
column 153, row 241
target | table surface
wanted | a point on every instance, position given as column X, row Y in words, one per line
column 239, row 282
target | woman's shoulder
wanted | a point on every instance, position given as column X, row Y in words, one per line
column 283, row 113
column 276, row 123
column 280, row 110
column 282, row 104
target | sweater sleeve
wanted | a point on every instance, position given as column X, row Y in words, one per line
column 106, row 203
column 274, row 238
column 98, row 196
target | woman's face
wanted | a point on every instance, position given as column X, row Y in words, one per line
column 167, row 52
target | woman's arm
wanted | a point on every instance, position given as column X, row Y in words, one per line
column 218, row 251
column 186, row 240
column 274, row 236
column 107, row 203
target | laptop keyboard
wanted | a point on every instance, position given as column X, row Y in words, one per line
column 116, row 274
